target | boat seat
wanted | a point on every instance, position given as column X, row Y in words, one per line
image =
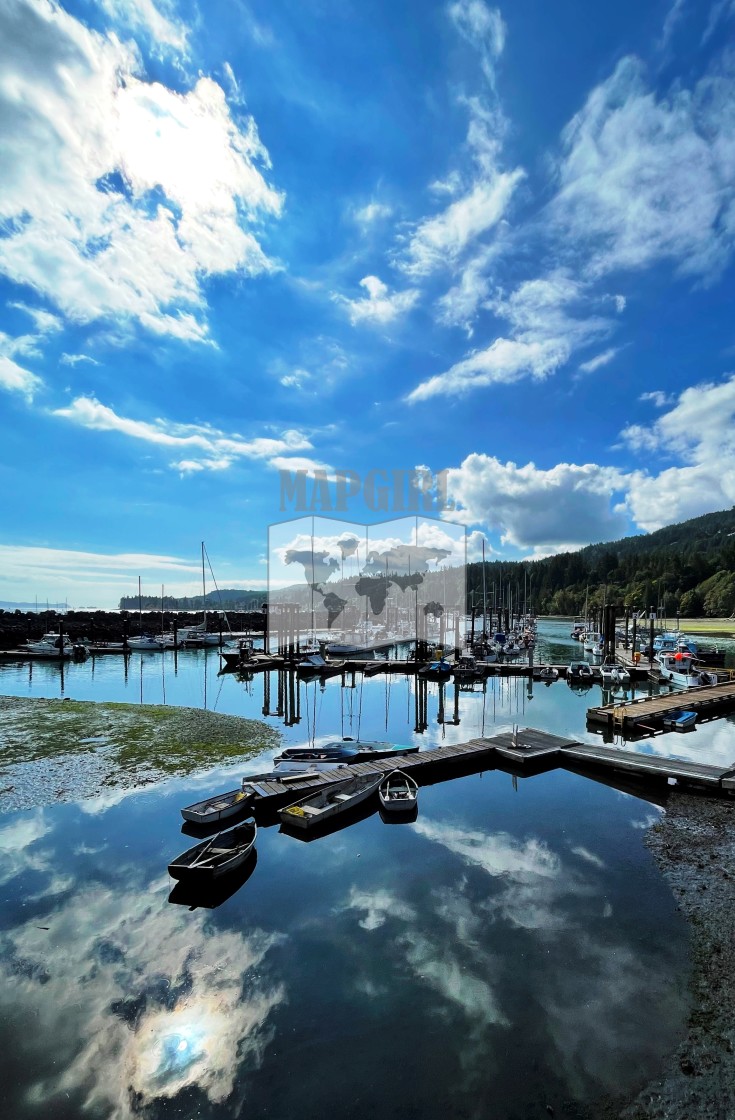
column 342, row 796
column 309, row 810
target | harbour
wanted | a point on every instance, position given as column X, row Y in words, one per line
column 523, row 820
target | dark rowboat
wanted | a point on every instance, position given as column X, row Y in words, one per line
column 216, row 857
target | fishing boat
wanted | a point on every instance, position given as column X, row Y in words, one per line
column 680, row 720
column 620, row 674
column 348, row 750
column 680, row 671
column 398, row 793
column 322, row 805
column 214, row 858
column 217, row 808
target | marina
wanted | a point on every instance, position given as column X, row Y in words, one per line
column 520, row 841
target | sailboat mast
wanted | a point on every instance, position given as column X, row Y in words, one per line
column 204, row 592
column 140, row 609
column 484, row 593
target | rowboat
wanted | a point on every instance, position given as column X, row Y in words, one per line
column 398, row 793
column 216, row 857
column 680, row 720
column 324, row 804
column 217, row 808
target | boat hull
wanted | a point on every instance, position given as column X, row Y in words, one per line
column 239, row 841
column 217, row 808
column 306, row 817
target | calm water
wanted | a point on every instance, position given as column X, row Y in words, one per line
column 513, row 947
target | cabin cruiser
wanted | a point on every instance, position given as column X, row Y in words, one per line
column 57, row 647
column 679, row 670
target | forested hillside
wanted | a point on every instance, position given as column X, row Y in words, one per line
column 688, row 567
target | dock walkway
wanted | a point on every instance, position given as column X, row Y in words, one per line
column 522, row 753
column 709, row 701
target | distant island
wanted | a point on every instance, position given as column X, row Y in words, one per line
column 226, row 599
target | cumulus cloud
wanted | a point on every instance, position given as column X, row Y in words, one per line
column 567, row 504
column 379, row 307
column 156, row 21
column 216, row 450
column 118, row 194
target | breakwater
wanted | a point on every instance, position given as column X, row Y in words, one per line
column 18, row 626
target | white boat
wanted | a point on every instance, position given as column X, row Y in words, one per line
column 216, row 857
column 398, row 793
column 679, row 670
column 55, row 646
column 324, row 804
column 217, row 808
column 145, row 643
column 621, row 676
column 548, row 673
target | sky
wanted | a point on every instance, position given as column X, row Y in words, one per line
column 491, row 245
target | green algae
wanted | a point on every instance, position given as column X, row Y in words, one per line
column 129, row 743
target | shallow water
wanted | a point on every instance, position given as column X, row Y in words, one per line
column 512, row 948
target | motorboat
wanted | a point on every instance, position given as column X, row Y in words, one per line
column 467, row 668
column 348, row 750
column 548, row 673
column 146, row 644
column 580, row 672
column 438, row 669
column 680, row 671
column 56, row 646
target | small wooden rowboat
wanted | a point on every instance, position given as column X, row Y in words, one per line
column 324, row 804
column 398, row 793
column 217, row 808
column 216, row 857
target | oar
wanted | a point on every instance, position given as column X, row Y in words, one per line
column 197, row 859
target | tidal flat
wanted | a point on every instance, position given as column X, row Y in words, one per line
column 64, row 750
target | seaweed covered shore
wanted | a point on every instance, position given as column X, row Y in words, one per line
column 68, row 750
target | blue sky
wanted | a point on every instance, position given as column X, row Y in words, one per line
column 240, row 238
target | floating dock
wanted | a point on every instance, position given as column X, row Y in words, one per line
column 521, row 753
column 646, row 714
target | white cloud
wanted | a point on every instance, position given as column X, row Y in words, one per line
column 600, row 360
column 157, row 21
column 372, row 212
column 378, row 906
column 45, row 322
column 567, row 504
column 657, row 397
column 438, row 242
column 119, row 195
column 297, row 379
column 700, row 430
column 217, row 450
column 545, row 330
column 15, row 378
column 483, row 28
column 646, row 179
column 75, row 359
column 378, row 307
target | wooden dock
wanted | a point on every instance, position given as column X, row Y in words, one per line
column 522, row 753
column 648, row 713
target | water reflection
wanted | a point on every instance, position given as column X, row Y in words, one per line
column 208, row 896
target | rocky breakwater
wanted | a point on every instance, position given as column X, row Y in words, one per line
column 17, row 627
